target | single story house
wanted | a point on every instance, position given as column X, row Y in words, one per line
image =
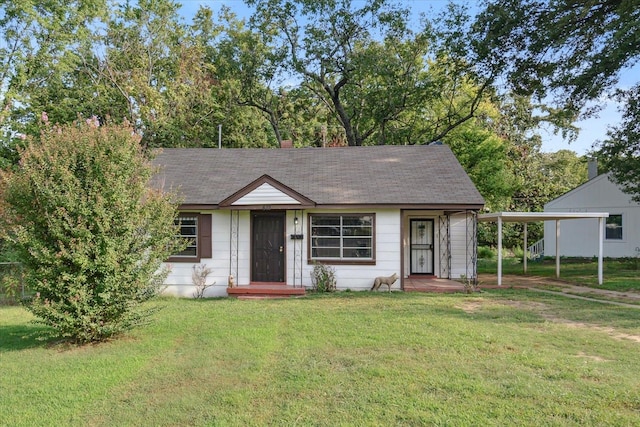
column 579, row 238
column 266, row 216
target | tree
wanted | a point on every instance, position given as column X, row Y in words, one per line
column 621, row 150
column 572, row 52
column 38, row 44
column 368, row 68
column 88, row 228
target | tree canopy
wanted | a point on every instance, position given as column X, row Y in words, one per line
column 568, row 55
column 328, row 72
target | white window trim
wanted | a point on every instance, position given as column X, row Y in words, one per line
column 611, row 239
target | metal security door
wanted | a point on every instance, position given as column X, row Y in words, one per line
column 267, row 247
column 421, row 246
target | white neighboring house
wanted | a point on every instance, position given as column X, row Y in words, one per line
column 579, row 238
column 265, row 216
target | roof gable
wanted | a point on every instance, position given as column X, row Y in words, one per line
column 266, row 191
column 597, row 193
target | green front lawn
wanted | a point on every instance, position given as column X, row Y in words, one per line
column 500, row 358
column 618, row 274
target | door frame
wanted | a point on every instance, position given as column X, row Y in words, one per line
column 283, row 216
column 433, row 246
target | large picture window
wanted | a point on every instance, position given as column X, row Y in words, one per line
column 613, row 230
column 346, row 237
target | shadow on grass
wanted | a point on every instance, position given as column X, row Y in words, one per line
column 22, row 337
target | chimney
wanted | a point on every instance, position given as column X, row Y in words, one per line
column 592, row 168
column 286, row 143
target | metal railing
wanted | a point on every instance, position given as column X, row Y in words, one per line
column 536, row 251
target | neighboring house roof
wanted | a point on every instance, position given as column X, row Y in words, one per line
column 412, row 176
column 595, row 193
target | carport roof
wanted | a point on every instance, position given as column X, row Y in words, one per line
column 538, row 216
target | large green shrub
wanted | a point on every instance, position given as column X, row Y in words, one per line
column 88, row 228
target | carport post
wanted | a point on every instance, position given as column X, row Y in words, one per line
column 600, row 247
column 499, row 251
column 524, row 258
column 557, row 248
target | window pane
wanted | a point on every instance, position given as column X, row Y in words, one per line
column 325, row 220
column 356, row 231
column 325, row 252
column 357, row 220
column 189, row 251
column 614, row 227
column 326, row 242
column 325, row 231
column 188, row 231
column 356, row 253
column 357, row 243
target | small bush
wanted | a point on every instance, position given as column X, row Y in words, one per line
column 486, row 252
column 199, row 276
column 323, row 278
column 518, row 252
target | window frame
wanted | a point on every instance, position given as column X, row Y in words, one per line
column 202, row 238
column 341, row 260
column 617, row 227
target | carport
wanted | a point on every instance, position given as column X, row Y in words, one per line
column 526, row 217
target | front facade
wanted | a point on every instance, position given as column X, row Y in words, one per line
column 268, row 216
column 578, row 238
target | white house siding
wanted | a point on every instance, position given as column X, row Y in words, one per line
column 354, row 276
column 580, row 237
column 179, row 281
column 461, row 228
column 266, row 194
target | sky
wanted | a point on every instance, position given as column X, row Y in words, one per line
column 591, row 130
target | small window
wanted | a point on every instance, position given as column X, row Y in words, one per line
column 614, row 227
column 189, row 232
column 342, row 237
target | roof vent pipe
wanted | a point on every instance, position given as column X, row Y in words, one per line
column 219, row 136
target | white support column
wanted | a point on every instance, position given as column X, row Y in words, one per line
column 557, row 248
column 524, row 260
column 499, row 251
column 600, row 248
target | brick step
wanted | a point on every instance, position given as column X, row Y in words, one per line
column 265, row 291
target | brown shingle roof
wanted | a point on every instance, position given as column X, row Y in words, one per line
column 375, row 175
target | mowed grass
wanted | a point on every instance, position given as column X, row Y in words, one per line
column 618, row 274
column 497, row 358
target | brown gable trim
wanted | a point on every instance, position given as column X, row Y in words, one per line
column 305, row 202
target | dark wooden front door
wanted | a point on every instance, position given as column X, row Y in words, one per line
column 267, row 247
